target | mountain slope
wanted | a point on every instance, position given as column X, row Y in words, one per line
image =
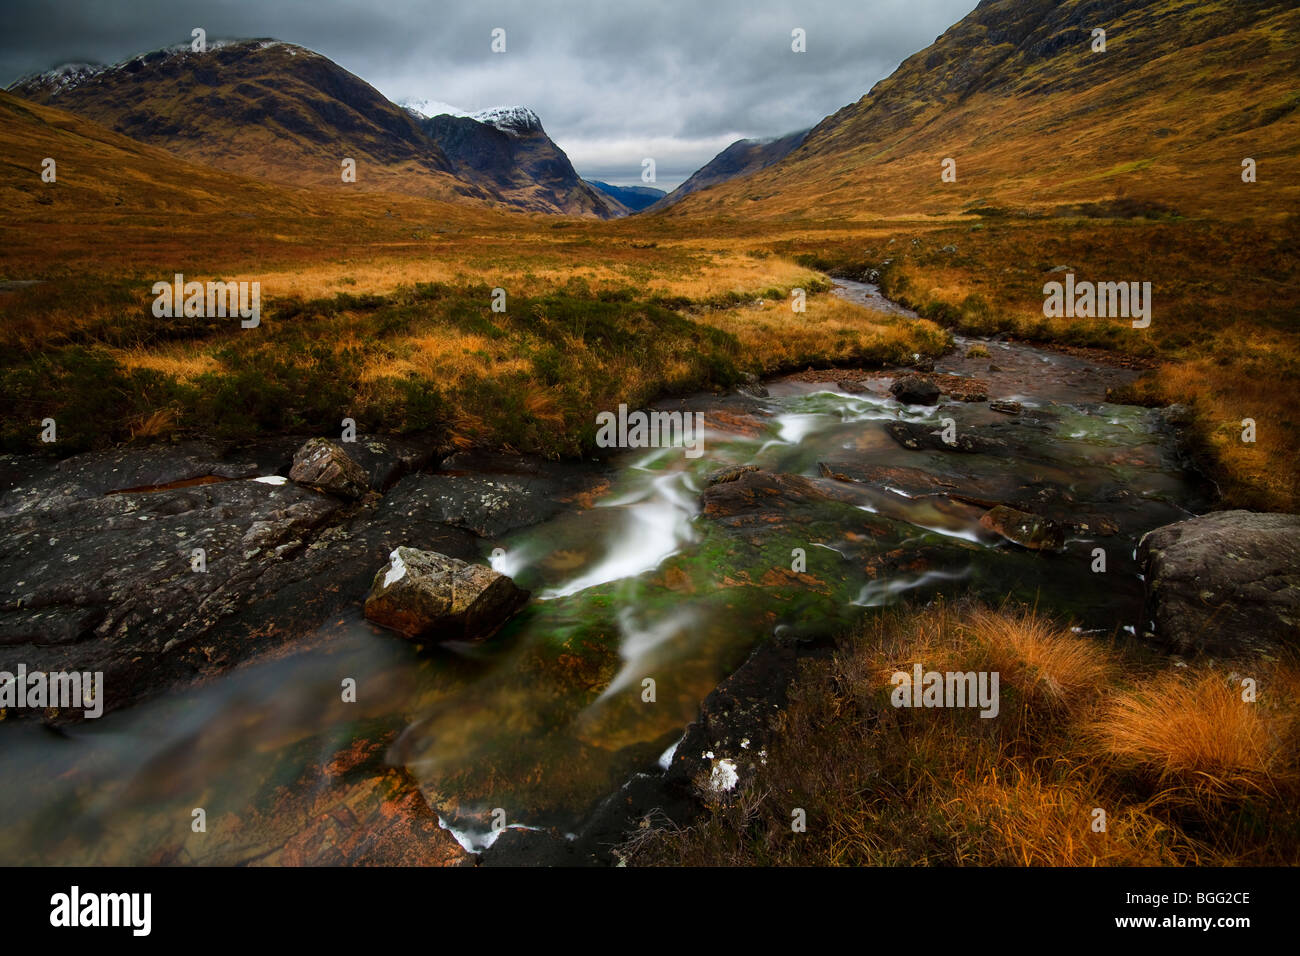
column 1035, row 119
column 261, row 108
column 98, row 170
column 508, row 151
column 742, row 157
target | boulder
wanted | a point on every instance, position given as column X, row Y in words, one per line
column 324, row 465
column 1224, row 583
column 915, row 390
column 1027, row 530
column 427, row 594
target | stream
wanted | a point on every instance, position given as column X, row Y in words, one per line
column 662, row 578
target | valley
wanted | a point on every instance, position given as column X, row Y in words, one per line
column 821, row 415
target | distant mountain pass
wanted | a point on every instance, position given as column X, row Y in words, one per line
column 741, row 157
column 634, row 198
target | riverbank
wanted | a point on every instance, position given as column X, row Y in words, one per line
column 646, row 565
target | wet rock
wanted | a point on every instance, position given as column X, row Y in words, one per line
column 919, row 436
column 426, row 594
column 912, row 481
column 1027, row 530
column 492, row 505
column 724, row 475
column 1224, row 583
column 35, row 486
column 109, row 583
column 850, row 386
column 351, row 808
column 386, row 459
column 915, row 390
column 723, row 747
column 1006, row 408
column 763, row 497
column 324, row 465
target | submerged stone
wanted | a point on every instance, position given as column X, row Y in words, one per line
column 1027, row 530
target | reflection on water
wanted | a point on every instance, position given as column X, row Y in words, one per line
column 552, row 714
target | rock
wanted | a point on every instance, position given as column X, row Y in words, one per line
column 427, row 594
column 752, row 387
column 1027, row 530
column 109, row 582
column 386, row 459
column 919, row 436
column 915, row 390
column 33, row 485
column 923, row 365
column 1006, row 408
column 850, row 386
column 324, row 465
column 492, row 495
column 948, row 249
column 724, row 475
column 1224, row 583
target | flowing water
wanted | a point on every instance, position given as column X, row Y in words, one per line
column 549, row 716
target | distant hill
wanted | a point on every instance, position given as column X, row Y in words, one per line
column 258, row 107
column 507, row 151
column 740, row 158
column 281, row 112
column 635, row 198
column 1035, row 120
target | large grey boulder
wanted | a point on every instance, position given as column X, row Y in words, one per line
column 1225, row 583
column 427, row 594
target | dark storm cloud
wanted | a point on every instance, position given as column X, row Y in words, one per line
column 676, row 80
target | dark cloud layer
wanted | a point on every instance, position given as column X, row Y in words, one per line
column 613, row 82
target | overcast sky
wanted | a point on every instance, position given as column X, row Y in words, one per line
column 613, row 81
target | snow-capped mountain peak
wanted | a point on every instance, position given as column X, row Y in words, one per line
column 63, row 77
column 427, row 109
column 509, row 119
column 69, row 75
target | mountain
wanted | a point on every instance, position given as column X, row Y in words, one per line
column 98, row 170
column 505, row 149
column 257, row 107
column 1036, row 120
column 634, row 198
column 740, row 158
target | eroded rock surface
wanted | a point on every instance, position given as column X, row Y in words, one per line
column 1225, row 583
